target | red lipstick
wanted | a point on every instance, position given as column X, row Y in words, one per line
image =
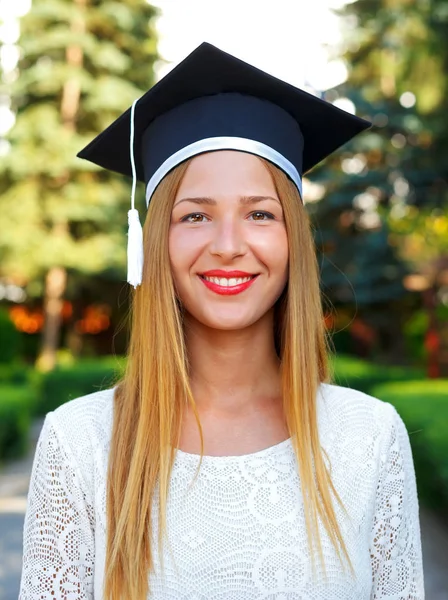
column 221, row 273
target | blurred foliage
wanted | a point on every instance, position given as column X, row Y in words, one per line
column 421, row 236
column 415, row 330
column 398, row 54
column 26, row 394
column 398, row 46
column 88, row 63
column 10, row 338
column 384, row 215
column 16, row 407
column 363, row 375
column 15, row 373
column 71, row 381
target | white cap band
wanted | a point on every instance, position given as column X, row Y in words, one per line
column 223, row 143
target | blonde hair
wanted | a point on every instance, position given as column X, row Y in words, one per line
column 151, row 398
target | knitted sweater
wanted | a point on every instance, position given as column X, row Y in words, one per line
column 239, row 532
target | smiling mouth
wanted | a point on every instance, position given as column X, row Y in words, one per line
column 228, row 281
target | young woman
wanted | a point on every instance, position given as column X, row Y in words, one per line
column 225, row 462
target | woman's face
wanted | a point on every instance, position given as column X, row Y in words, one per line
column 227, row 216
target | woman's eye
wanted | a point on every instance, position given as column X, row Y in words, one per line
column 263, row 213
column 187, row 217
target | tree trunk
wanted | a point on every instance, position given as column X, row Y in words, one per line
column 56, row 279
column 55, row 283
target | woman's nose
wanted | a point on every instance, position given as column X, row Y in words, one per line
column 228, row 238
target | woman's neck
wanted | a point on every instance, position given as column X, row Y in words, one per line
column 233, row 372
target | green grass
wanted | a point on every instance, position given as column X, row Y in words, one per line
column 362, row 375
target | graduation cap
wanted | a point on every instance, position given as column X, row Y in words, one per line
column 213, row 101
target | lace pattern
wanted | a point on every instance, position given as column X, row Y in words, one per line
column 59, row 557
column 395, row 540
column 239, row 532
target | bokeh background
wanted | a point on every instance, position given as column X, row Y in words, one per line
column 379, row 207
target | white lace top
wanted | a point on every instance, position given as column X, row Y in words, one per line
column 239, row 533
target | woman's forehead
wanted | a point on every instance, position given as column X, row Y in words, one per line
column 227, row 171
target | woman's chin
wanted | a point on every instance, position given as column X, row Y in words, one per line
column 228, row 320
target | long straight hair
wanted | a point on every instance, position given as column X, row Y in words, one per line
column 151, row 398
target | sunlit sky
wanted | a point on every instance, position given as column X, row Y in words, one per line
column 283, row 37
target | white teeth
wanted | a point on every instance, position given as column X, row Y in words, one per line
column 226, row 282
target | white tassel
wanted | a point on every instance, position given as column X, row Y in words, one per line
column 135, row 248
column 135, row 232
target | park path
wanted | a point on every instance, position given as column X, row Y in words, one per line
column 14, row 481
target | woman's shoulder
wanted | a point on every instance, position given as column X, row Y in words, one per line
column 85, row 413
column 81, row 430
column 347, row 408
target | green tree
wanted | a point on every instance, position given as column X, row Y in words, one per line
column 82, row 62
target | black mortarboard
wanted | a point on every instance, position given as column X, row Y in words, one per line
column 214, row 101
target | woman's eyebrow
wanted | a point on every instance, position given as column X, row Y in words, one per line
column 244, row 200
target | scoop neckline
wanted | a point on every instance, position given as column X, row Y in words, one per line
column 233, row 458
